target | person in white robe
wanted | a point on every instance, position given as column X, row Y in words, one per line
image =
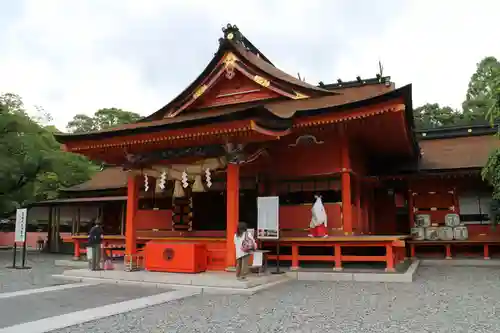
column 318, row 225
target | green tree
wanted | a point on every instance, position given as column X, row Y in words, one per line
column 102, row 119
column 493, row 113
column 486, row 93
column 32, row 164
column 66, row 169
column 433, row 115
column 482, row 91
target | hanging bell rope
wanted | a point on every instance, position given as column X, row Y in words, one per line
column 198, row 184
column 175, row 171
column 178, row 190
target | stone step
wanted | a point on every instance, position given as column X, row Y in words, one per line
column 213, row 282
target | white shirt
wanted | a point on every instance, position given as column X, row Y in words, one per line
column 238, row 241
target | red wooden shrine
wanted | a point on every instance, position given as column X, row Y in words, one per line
column 260, row 131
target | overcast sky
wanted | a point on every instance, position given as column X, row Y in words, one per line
column 78, row 56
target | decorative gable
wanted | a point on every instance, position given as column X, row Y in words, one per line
column 234, row 88
column 232, row 81
column 238, row 73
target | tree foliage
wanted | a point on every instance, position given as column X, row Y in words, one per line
column 433, row 115
column 483, row 97
column 483, row 88
column 482, row 101
column 102, row 119
column 32, row 165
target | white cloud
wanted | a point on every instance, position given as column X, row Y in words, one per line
column 62, row 54
column 433, row 44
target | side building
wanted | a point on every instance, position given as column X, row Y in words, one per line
column 55, row 222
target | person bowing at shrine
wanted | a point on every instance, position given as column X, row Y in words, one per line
column 318, row 225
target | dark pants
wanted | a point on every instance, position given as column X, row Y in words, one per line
column 242, row 266
column 95, row 262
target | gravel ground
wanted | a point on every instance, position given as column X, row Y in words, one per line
column 443, row 299
column 54, row 303
column 39, row 276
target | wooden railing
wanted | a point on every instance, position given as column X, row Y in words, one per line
column 394, row 246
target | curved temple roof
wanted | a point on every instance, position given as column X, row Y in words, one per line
column 279, row 109
column 281, row 97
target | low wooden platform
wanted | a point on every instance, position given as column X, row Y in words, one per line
column 394, row 246
column 485, row 242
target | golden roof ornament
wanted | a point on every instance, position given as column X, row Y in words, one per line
column 232, row 33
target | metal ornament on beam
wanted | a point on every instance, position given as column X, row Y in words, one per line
column 307, row 139
column 235, row 154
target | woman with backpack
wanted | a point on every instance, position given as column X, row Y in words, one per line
column 245, row 244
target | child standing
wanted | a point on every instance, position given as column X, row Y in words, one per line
column 245, row 244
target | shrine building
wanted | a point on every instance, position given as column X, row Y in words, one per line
column 244, row 129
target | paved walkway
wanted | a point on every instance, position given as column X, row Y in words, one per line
column 39, row 276
column 443, row 299
column 31, row 307
column 32, row 302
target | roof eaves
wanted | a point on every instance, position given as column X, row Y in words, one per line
column 457, row 131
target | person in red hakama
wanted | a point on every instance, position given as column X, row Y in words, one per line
column 318, row 225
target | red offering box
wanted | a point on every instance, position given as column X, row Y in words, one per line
column 175, row 257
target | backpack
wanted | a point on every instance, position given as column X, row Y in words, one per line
column 247, row 245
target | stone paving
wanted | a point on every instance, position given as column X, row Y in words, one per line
column 55, row 303
column 39, row 276
column 443, row 299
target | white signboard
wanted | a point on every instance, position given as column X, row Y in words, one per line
column 21, row 218
column 268, row 217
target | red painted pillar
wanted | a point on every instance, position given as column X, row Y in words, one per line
column 456, row 204
column 358, row 227
column 132, row 205
column 411, row 213
column 232, row 212
column 364, row 202
column 389, row 258
column 76, row 255
column 346, row 186
column 372, row 220
column 295, row 257
column 346, row 202
column 338, row 257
